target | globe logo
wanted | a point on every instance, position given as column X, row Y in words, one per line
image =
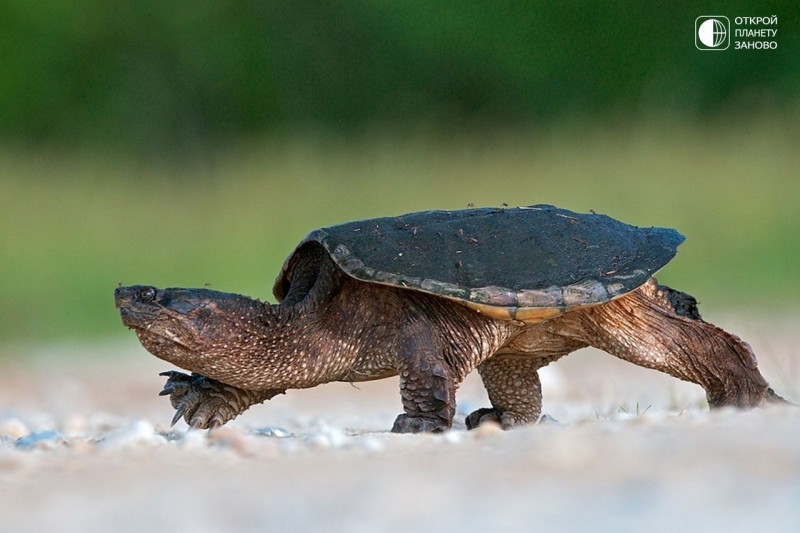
column 711, row 33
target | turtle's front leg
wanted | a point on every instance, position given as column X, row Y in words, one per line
column 207, row 403
column 427, row 388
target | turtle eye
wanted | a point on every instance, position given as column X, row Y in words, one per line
column 147, row 294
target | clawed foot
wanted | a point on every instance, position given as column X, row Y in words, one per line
column 477, row 417
column 418, row 424
column 743, row 396
column 203, row 402
column 506, row 420
column 770, row 397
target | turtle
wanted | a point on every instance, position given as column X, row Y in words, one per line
column 429, row 297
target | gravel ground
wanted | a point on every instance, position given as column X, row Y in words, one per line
column 85, row 445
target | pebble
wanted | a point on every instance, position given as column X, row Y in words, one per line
column 192, row 440
column 488, row 428
column 547, row 420
column 75, row 424
column 13, row 428
column 85, row 433
column 234, row 439
column 272, row 431
column 372, row 444
column 328, row 437
column 137, row 434
column 454, row 437
column 41, row 440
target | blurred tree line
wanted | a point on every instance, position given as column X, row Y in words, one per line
column 174, row 75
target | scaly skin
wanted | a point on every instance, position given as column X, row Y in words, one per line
column 334, row 328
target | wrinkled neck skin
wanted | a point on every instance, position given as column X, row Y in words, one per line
column 303, row 342
column 260, row 347
column 275, row 355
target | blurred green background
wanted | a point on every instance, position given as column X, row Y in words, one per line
column 193, row 143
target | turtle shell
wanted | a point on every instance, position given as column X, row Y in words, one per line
column 525, row 263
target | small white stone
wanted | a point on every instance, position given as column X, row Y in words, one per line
column 318, row 441
column 233, row 439
column 372, row 444
column 272, row 431
column 13, row 428
column 194, row 440
column 329, row 437
column 74, row 424
column 453, row 437
column 137, row 434
column 547, row 420
column 488, row 428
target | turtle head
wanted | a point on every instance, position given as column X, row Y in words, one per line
column 181, row 325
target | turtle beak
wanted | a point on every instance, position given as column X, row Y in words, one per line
column 123, row 296
column 136, row 304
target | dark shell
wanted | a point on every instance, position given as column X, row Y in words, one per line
column 526, row 263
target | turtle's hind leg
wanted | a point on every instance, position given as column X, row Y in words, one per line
column 660, row 328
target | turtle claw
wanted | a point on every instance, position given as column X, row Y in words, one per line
column 505, row 419
column 178, row 413
column 485, row 414
column 202, row 402
column 175, row 375
column 195, row 398
column 177, row 382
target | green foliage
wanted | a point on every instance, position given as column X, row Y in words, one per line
column 72, row 226
column 182, row 75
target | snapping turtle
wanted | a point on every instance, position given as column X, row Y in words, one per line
column 430, row 296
